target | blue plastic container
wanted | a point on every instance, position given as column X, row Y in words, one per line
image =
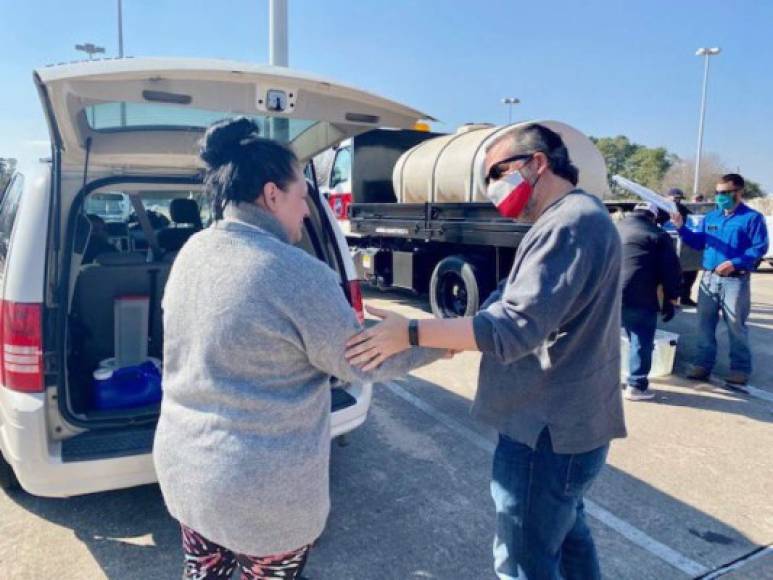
column 126, row 388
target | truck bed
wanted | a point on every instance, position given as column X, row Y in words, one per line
column 456, row 223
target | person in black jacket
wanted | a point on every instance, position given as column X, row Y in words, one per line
column 649, row 261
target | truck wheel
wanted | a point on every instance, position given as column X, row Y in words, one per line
column 7, row 476
column 455, row 288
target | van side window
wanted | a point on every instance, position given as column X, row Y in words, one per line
column 8, row 208
column 342, row 167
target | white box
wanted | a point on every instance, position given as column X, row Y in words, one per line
column 663, row 355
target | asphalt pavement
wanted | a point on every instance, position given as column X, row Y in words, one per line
column 686, row 495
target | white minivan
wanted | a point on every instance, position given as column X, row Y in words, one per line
column 128, row 129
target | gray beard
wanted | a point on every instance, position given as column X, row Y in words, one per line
column 530, row 211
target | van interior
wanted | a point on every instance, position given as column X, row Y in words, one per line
column 123, row 243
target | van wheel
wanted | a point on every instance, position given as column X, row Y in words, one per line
column 455, row 288
column 7, row 476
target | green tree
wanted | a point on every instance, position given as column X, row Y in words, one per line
column 648, row 166
column 616, row 151
column 660, row 170
column 753, row 189
column 641, row 164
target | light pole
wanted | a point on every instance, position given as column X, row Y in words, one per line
column 120, row 29
column 706, row 53
column 120, row 55
column 278, row 56
column 277, row 33
column 510, row 101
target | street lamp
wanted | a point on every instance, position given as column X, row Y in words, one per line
column 510, row 101
column 704, row 52
column 90, row 49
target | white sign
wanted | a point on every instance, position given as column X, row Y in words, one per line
column 646, row 194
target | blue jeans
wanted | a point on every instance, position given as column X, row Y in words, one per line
column 540, row 527
column 731, row 297
column 640, row 325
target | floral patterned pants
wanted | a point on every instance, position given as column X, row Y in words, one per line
column 205, row 560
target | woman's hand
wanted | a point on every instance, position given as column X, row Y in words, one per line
column 373, row 346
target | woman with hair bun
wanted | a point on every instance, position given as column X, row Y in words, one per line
column 254, row 329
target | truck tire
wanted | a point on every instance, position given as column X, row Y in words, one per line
column 8, row 479
column 455, row 288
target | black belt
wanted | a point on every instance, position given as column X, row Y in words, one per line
column 733, row 274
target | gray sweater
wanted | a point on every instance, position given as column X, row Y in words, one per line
column 550, row 336
column 254, row 330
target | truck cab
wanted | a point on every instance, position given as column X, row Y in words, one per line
column 359, row 170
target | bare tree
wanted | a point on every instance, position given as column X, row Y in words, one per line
column 682, row 172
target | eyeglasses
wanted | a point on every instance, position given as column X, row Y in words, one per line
column 500, row 168
column 725, row 192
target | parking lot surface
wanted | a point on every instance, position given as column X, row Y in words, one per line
column 686, row 495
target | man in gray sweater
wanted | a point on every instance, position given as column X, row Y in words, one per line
column 550, row 372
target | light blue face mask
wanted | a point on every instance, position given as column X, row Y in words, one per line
column 724, row 201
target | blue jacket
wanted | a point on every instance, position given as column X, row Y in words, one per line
column 740, row 237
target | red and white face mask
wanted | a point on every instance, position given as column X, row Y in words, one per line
column 510, row 194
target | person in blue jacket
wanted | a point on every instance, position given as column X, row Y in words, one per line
column 733, row 239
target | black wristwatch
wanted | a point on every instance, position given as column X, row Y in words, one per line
column 413, row 332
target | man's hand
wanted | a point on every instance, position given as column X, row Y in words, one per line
column 373, row 346
column 669, row 310
column 677, row 219
column 725, row 268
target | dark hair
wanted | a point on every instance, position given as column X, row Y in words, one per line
column 662, row 217
column 536, row 138
column 733, row 178
column 240, row 162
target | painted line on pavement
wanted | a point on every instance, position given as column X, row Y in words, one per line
column 751, row 391
column 758, row 393
column 628, row 531
column 738, row 563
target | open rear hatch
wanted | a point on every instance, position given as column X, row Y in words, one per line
column 141, row 119
column 148, row 113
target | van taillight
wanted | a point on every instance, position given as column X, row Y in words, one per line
column 355, row 292
column 339, row 203
column 22, row 355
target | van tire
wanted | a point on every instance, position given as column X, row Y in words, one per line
column 8, row 479
column 455, row 288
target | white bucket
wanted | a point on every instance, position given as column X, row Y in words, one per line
column 108, row 366
column 663, row 355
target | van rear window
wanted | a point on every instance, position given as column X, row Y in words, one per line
column 144, row 116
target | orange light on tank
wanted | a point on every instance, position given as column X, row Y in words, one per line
column 421, row 126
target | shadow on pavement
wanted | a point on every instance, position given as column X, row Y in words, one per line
column 410, row 496
column 760, row 325
column 128, row 532
column 410, row 500
column 710, row 398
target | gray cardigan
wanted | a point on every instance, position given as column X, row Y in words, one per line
column 550, row 336
column 254, row 330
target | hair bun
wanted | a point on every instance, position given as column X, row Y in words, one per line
column 223, row 139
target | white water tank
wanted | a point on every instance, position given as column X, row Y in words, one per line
column 449, row 169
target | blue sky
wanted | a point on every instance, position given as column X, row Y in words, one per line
column 608, row 67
